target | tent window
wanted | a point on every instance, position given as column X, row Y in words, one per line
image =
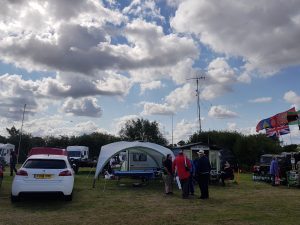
column 139, row 157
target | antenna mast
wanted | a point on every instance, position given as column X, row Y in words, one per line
column 198, row 98
column 21, row 135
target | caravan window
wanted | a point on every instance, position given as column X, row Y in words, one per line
column 139, row 157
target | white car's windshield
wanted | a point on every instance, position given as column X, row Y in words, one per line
column 45, row 164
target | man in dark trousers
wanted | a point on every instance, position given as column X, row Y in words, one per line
column 12, row 162
column 202, row 173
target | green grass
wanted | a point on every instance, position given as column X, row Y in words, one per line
column 246, row 203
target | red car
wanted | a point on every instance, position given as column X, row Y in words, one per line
column 47, row 151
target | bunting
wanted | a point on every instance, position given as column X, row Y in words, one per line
column 293, row 118
column 277, row 131
column 277, row 120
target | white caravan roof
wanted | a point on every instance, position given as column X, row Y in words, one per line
column 77, row 148
column 108, row 151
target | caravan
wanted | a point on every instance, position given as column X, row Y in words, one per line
column 5, row 150
column 80, row 153
column 217, row 157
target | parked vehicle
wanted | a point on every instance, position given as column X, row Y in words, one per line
column 262, row 168
column 44, row 174
column 47, row 151
column 80, row 153
column 79, row 157
column 5, row 150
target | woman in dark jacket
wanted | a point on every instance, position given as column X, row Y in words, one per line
column 12, row 162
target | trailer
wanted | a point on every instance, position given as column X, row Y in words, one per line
column 80, row 153
column 79, row 157
column 216, row 155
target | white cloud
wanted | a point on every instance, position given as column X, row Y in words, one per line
column 292, row 97
column 252, row 30
column 150, row 86
column 293, row 137
column 219, row 79
column 38, row 94
column 220, row 112
column 57, row 125
column 232, row 126
column 14, row 93
column 244, row 78
column 184, row 129
column 152, row 48
column 213, row 91
column 177, row 100
column 82, row 107
column 220, row 72
column 178, row 72
column 261, row 100
column 173, row 3
column 243, row 130
column 78, row 85
column 157, row 109
column 79, row 38
column 143, row 9
column 181, row 97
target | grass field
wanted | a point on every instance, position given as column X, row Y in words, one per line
column 246, row 203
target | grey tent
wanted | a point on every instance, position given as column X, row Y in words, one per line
column 154, row 152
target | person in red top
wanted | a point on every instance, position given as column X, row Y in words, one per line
column 182, row 165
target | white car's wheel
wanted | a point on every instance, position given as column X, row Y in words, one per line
column 14, row 198
column 68, row 198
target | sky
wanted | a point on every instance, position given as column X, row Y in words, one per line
column 89, row 66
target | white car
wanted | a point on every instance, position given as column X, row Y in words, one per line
column 44, row 174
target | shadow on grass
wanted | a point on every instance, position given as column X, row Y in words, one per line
column 41, row 202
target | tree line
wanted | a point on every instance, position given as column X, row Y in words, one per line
column 246, row 148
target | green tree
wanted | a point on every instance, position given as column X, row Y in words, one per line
column 143, row 130
column 3, row 139
column 290, row 148
column 13, row 132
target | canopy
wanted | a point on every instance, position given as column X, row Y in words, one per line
column 110, row 150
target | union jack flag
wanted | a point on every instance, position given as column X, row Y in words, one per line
column 277, row 131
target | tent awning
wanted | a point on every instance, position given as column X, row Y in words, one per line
column 108, row 151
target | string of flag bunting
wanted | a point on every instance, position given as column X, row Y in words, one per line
column 278, row 124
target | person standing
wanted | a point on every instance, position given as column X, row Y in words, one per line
column 274, row 170
column 227, row 173
column 168, row 175
column 202, row 173
column 298, row 171
column 12, row 162
column 181, row 165
column 191, row 179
